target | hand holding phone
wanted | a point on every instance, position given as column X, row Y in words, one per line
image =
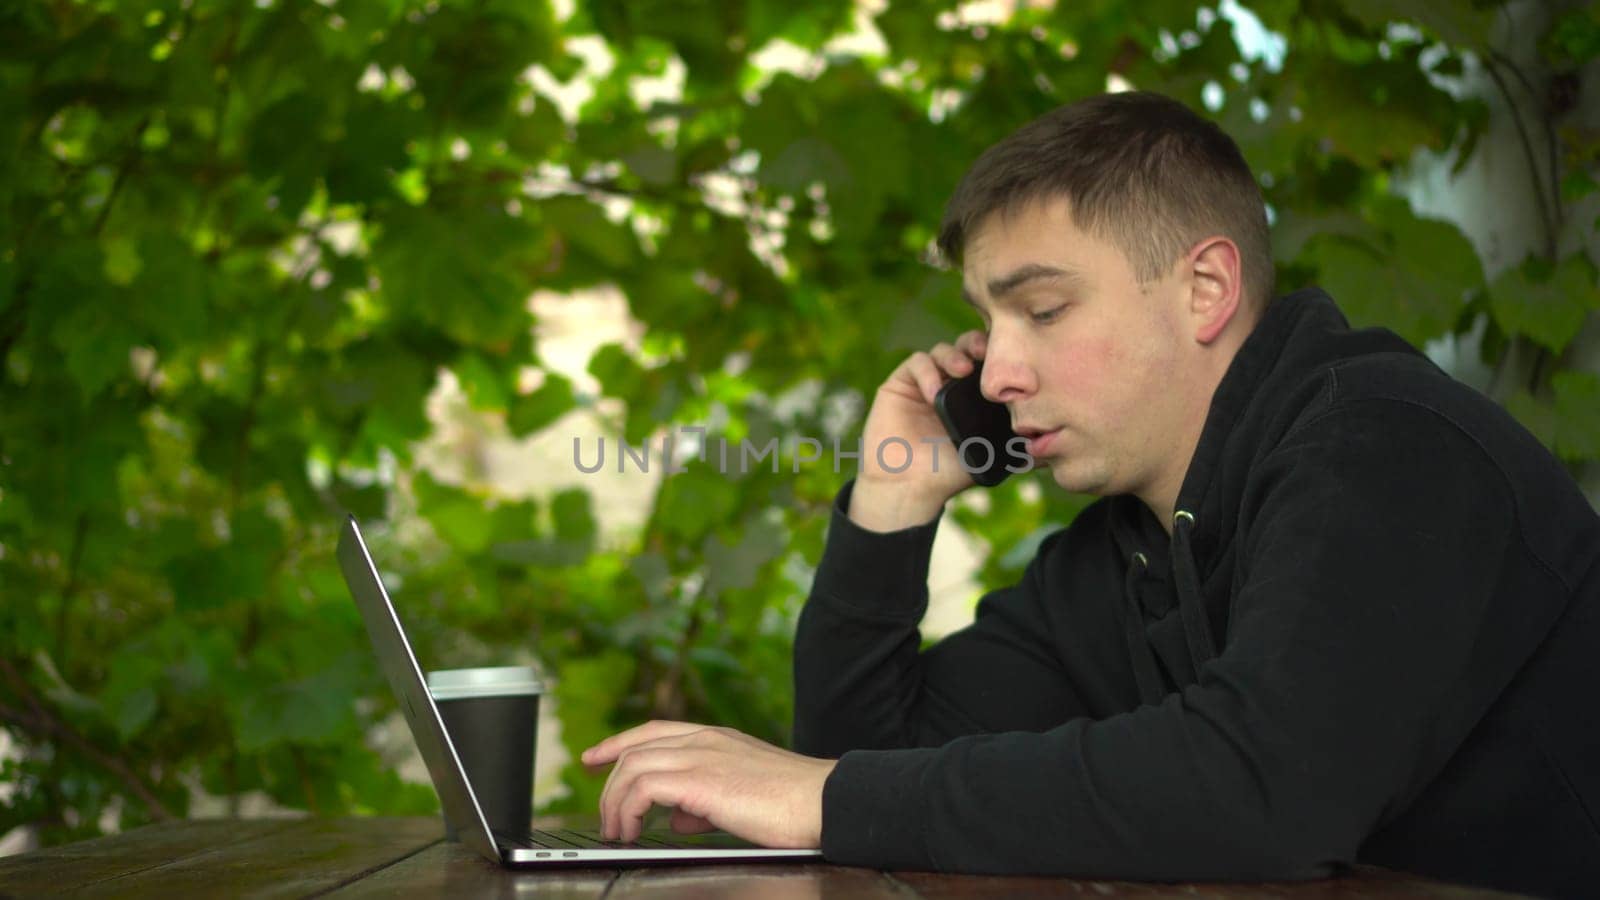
column 987, row 448
column 905, row 476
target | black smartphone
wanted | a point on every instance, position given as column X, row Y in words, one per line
column 966, row 415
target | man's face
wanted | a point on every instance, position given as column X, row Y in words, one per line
column 1084, row 356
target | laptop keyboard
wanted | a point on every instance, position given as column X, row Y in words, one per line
column 567, row 839
column 570, row 839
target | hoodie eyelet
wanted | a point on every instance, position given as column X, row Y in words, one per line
column 1182, row 514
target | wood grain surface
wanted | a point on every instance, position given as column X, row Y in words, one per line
column 408, row 857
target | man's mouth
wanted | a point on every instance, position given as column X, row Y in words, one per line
column 1039, row 438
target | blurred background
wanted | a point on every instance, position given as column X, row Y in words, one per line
column 262, row 263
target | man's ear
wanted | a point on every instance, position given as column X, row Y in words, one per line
column 1216, row 291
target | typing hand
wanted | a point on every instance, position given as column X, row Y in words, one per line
column 711, row 778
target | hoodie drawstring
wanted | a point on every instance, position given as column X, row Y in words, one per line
column 1191, row 606
column 1190, row 599
column 1144, row 660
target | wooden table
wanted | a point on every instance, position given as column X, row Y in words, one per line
column 408, row 857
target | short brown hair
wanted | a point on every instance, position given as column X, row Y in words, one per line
column 1139, row 170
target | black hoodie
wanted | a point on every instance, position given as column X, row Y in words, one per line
column 1373, row 636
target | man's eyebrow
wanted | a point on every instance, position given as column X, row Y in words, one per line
column 1000, row 287
column 1031, row 273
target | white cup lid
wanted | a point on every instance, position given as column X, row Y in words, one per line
column 496, row 681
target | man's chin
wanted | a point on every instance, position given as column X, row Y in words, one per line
column 1072, row 476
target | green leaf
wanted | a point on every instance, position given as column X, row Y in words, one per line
column 1375, row 112
column 362, row 165
column 736, row 567
column 484, row 383
column 14, row 510
column 1568, row 419
column 1416, row 282
column 364, row 502
column 1577, row 415
column 653, row 575
column 134, row 712
column 317, row 709
column 535, row 134
column 458, row 517
column 1458, row 23
column 284, row 150
column 1548, row 305
column 175, row 289
column 70, row 304
column 1574, row 38
column 654, row 165
column 620, row 375
column 532, row 412
column 572, row 516
column 130, row 697
column 451, row 268
column 806, row 25
column 239, row 570
column 1577, row 185
column 596, row 248
column 122, row 261
column 197, row 583
column 694, row 502
column 95, row 346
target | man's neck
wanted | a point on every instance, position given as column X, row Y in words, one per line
column 1161, row 496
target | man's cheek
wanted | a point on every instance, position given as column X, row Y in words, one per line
column 1082, row 368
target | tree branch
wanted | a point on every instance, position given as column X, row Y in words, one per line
column 241, row 452
column 306, row 786
column 1549, row 132
column 13, row 322
column 617, row 189
column 121, row 178
column 669, row 701
column 80, row 531
column 1536, row 371
column 42, row 722
column 1527, row 152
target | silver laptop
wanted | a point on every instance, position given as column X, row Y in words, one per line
column 537, row 848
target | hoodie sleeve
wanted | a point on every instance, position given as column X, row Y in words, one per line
column 862, row 679
column 1373, row 541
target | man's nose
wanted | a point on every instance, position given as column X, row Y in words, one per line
column 1005, row 376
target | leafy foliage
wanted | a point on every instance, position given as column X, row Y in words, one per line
column 243, row 241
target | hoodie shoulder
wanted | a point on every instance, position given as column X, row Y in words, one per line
column 1556, row 521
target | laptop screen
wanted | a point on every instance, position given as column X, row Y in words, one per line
column 400, row 667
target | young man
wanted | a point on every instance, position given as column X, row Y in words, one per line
column 1334, row 606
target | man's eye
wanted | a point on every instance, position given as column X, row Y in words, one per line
column 1045, row 317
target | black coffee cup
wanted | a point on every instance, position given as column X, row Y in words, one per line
column 492, row 715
